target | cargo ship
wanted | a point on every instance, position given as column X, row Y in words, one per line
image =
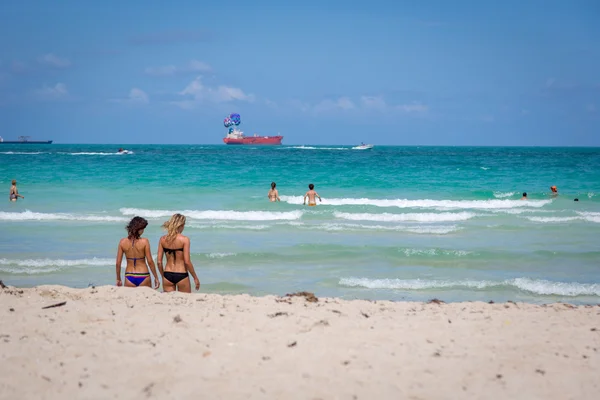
column 24, row 140
column 235, row 136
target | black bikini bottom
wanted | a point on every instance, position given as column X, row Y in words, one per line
column 175, row 277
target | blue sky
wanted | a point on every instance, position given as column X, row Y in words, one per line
column 318, row 72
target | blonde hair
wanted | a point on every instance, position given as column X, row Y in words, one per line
column 14, row 181
column 173, row 225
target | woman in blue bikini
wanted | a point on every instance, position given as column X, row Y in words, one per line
column 176, row 248
column 137, row 252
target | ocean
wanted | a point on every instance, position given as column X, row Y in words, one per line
column 396, row 223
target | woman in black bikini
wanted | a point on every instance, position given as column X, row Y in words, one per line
column 177, row 249
column 14, row 193
column 137, row 252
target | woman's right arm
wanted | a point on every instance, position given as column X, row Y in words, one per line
column 118, row 264
column 148, row 255
column 159, row 258
column 188, row 262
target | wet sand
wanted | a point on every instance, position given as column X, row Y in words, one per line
column 110, row 342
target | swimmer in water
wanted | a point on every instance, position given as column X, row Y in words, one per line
column 554, row 189
column 311, row 194
column 14, row 192
column 524, row 196
column 273, row 193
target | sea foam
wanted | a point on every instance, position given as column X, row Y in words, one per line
column 217, row 215
column 425, row 203
column 409, row 217
column 419, row 229
column 536, row 286
column 37, row 216
column 47, row 265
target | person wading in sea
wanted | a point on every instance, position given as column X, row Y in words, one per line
column 14, row 192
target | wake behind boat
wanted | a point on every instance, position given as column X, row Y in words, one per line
column 363, row 146
column 235, row 136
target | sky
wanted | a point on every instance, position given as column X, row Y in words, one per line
column 517, row 73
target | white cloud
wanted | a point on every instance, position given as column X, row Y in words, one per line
column 52, row 60
column 376, row 102
column 193, row 66
column 136, row 96
column 221, row 94
column 55, row 92
column 345, row 103
column 412, row 108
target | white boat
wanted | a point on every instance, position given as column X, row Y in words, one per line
column 123, row 151
column 363, row 147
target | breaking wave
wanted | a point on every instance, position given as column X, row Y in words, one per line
column 425, row 203
column 502, row 195
column 37, row 216
column 411, row 217
column 217, row 215
column 535, row 286
column 433, row 230
column 47, row 265
column 589, row 217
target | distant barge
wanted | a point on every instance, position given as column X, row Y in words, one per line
column 24, row 140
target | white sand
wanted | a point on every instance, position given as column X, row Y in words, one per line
column 125, row 343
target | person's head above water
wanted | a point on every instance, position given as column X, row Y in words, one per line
column 273, row 184
column 311, row 186
column 135, row 226
column 174, row 226
column 524, row 194
column 14, row 181
column 554, row 189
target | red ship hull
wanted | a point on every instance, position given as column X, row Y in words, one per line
column 255, row 140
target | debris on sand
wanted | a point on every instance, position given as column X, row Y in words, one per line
column 62, row 303
column 277, row 314
column 436, row 301
column 310, row 297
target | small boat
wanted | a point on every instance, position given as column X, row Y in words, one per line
column 363, row 147
column 123, row 151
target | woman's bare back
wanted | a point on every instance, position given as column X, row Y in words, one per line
column 174, row 251
column 135, row 253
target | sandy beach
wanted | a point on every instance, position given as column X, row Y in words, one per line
column 109, row 342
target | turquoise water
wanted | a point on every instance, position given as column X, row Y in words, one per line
column 399, row 223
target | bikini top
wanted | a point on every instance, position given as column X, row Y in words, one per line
column 134, row 258
column 172, row 251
